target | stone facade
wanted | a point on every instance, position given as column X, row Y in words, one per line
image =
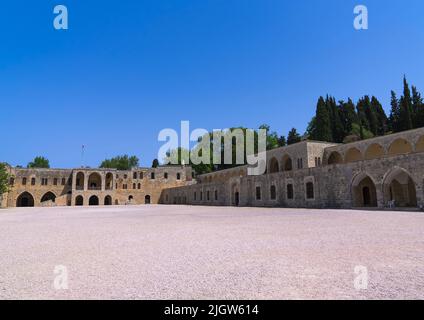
column 86, row 186
column 381, row 172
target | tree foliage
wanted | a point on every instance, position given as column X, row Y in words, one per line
column 39, row 162
column 4, row 178
column 120, row 162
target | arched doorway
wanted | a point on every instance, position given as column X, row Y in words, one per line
column 79, row 201
column 49, row 196
column 364, row 192
column 108, row 201
column 147, row 199
column 25, row 200
column 400, row 188
column 93, row 201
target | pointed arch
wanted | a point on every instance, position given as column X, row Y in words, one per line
column 287, row 163
column 274, row 166
column 48, row 196
column 335, row 158
column 374, row 151
column 353, row 155
column 364, row 191
column 25, row 199
column 419, row 146
column 400, row 188
column 399, row 146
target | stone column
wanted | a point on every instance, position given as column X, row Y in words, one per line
column 103, row 179
column 86, row 181
column 380, row 195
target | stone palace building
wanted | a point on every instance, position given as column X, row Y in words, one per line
column 380, row 172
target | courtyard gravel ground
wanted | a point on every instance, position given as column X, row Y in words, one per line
column 183, row 252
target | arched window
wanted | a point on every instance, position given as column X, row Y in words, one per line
column 178, row 176
column 287, row 163
column 273, row 166
column 165, row 175
column 139, row 186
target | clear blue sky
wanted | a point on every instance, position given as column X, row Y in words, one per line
column 127, row 69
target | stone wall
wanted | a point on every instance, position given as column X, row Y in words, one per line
column 395, row 174
column 69, row 187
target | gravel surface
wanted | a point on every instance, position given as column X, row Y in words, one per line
column 182, row 252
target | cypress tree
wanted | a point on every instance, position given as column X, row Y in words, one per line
column 363, row 109
column 321, row 129
column 348, row 116
column 293, row 137
column 394, row 119
column 406, row 108
column 417, row 108
column 336, row 123
column 381, row 116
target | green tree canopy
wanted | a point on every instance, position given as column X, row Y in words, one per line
column 39, row 162
column 293, row 137
column 120, row 162
column 4, row 178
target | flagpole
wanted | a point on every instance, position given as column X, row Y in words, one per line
column 82, row 156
